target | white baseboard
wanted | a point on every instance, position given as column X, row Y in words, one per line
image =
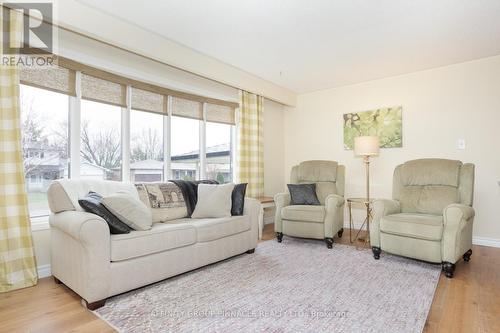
column 44, row 271
column 486, row 241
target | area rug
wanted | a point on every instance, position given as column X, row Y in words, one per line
column 296, row 286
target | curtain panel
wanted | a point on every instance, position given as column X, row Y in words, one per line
column 250, row 164
column 17, row 259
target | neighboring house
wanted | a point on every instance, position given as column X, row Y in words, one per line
column 186, row 166
column 92, row 171
column 42, row 165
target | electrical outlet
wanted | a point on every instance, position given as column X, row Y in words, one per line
column 461, row 144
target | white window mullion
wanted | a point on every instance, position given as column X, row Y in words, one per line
column 167, row 135
column 125, row 130
column 203, row 144
column 74, row 118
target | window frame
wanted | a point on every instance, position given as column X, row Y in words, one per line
column 74, row 137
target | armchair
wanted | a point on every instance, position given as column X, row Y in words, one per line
column 430, row 216
column 319, row 222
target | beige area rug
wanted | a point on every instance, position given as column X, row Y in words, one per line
column 296, row 286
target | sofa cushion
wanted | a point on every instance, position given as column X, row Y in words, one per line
column 305, row 213
column 166, row 200
column 214, row 201
column 421, row 226
column 215, row 228
column 161, row 237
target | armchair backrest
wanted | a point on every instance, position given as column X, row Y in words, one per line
column 328, row 176
column 427, row 186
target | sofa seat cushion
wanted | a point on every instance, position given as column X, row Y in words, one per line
column 161, row 237
column 215, row 228
column 421, row 226
column 304, row 213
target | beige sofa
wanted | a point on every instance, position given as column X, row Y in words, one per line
column 309, row 221
column 97, row 265
column 430, row 217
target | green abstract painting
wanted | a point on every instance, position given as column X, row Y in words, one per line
column 385, row 123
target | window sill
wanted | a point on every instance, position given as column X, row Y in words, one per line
column 40, row 223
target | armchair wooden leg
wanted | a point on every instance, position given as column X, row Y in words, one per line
column 279, row 236
column 467, row 255
column 251, row 251
column 376, row 252
column 329, row 242
column 340, row 233
column 448, row 269
column 95, row 305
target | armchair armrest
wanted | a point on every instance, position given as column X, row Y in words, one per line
column 457, row 232
column 381, row 208
column 334, row 214
column 280, row 200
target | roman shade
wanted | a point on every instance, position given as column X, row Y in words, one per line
column 144, row 100
column 220, row 114
column 100, row 90
column 58, row 79
column 187, row 108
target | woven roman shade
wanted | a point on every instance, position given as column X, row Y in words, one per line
column 144, row 100
column 58, row 79
column 99, row 90
column 220, row 114
column 187, row 108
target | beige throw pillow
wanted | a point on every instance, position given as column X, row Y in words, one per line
column 213, row 201
column 129, row 210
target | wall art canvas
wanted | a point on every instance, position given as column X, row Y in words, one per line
column 386, row 123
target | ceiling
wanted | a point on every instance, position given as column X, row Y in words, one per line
column 308, row 45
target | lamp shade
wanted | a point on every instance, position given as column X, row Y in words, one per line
column 366, row 145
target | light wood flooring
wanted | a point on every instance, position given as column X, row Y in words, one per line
column 470, row 302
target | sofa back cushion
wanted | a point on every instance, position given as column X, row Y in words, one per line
column 427, row 186
column 327, row 175
column 63, row 194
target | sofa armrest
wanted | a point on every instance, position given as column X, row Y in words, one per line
column 381, row 208
column 252, row 207
column 81, row 253
column 457, row 232
column 334, row 214
column 280, row 200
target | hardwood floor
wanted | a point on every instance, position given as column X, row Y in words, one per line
column 470, row 302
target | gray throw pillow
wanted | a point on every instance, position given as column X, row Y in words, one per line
column 303, row 194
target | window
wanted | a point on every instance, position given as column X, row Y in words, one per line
column 100, row 141
column 218, row 152
column 185, row 148
column 44, row 128
column 146, row 147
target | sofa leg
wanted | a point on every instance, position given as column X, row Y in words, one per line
column 376, row 252
column 56, row 280
column 279, row 236
column 448, row 269
column 329, row 242
column 95, row 305
column 340, row 233
column 467, row 255
column 251, row 251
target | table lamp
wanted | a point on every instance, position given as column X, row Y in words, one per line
column 367, row 146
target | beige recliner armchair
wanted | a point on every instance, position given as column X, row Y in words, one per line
column 430, row 217
column 320, row 222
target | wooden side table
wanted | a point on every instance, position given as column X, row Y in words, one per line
column 367, row 203
column 265, row 202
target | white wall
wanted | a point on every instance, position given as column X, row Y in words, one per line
column 439, row 107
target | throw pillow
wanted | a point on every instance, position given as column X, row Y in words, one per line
column 303, row 194
column 92, row 203
column 129, row 210
column 213, row 201
column 189, row 190
column 165, row 200
column 238, row 199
